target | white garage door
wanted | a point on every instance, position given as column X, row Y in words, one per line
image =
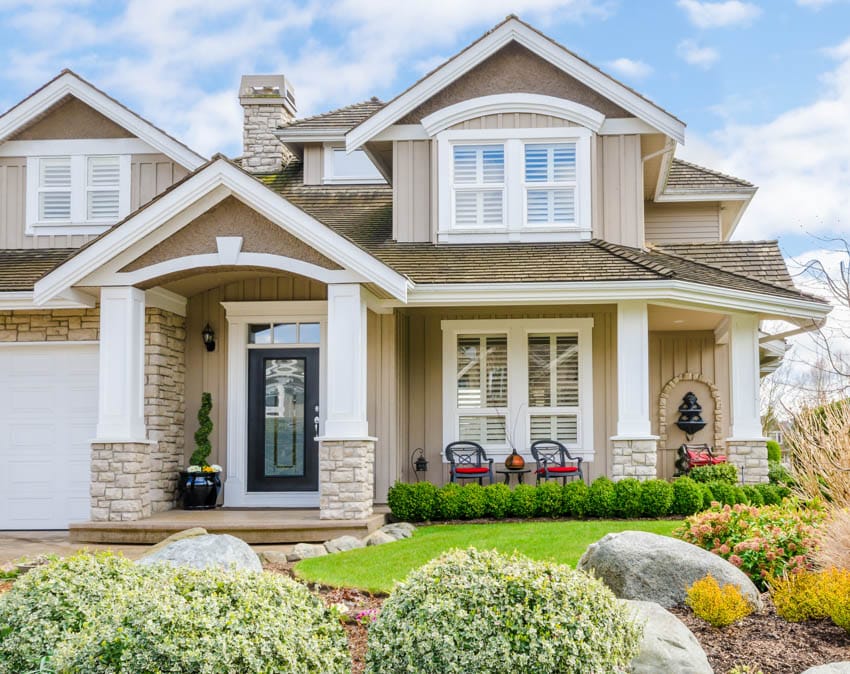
column 48, row 415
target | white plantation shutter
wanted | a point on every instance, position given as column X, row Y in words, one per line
column 550, row 179
column 54, row 189
column 553, row 387
column 482, row 387
column 103, row 188
column 479, row 186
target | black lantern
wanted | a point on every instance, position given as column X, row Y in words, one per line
column 209, row 337
column 420, row 463
column 690, row 415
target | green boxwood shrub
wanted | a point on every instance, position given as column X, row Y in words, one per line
column 601, row 498
column 524, row 501
column 449, row 501
column 707, row 495
column 753, row 495
column 687, row 497
column 770, row 493
column 627, row 498
column 412, row 502
column 779, row 474
column 723, row 492
column 740, row 495
column 498, row 500
column 548, row 499
column 774, row 451
column 103, row 614
column 473, row 501
column 480, row 611
column 656, row 498
column 723, row 472
column 574, row 498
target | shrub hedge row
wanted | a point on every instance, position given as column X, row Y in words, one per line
column 628, row 498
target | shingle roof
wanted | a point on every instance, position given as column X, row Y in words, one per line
column 20, row 269
column 686, row 177
column 347, row 117
column 363, row 214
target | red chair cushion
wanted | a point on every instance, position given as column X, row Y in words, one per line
column 472, row 470
column 699, row 458
column 719, row 459
column 559, row 469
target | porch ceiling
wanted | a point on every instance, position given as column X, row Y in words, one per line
column 673, row 319
column 193, row 282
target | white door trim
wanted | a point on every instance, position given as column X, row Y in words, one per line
column 239, row 316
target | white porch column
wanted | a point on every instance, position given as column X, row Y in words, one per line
column 121, row 402
column 346, row 452
column 346, row 413
column 634, row 446
column 747, row 448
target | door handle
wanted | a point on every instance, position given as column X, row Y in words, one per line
column 316, row 420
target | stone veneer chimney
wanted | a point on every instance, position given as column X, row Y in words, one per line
column 269, row 103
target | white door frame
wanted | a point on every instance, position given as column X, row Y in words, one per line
column 239, row 316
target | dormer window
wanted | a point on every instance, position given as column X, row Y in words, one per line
column 514, row 185
column 349, row 168
column 76, row 194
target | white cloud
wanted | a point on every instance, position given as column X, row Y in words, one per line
column 719, row 14
column 800, row 160
column 815, row 4
column 697, row 55
column 626, row 67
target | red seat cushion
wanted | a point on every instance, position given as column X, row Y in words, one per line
column 699, row 458
column 559, row 469
column 472, row 470
column 719, row 459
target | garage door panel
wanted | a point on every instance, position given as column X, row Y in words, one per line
column 48, row 415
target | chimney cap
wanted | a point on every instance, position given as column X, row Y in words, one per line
column 267, row 90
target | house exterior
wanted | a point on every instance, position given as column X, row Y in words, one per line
column 506, row 251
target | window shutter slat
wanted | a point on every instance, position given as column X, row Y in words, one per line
column 54, row 206
column 550, row 164
column 481, row 166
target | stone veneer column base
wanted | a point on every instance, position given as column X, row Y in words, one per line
column 634, row 458
column 346, row 479
column 751, row 456
column 120, row 481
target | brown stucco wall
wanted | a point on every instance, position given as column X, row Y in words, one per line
column 71, row 118
column 515, row 69
column 231, row 218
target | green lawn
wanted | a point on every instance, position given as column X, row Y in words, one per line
column 377, row 568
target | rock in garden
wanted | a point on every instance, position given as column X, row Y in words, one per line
column 344, row 543
column 204, row 552
column 379, row 538
column 274, row 557
column 399, row 530
column 831, row 668
column 667, row 645
column 649, row 567
column 179, row 536
column 306, row 551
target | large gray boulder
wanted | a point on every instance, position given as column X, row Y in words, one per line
column 831, row 668
column 649, row 567
column 667, row 645
column 399, row 530
column 306, row 551
column 205, row 552
column 344, row 543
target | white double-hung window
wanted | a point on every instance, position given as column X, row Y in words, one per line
column 517, row 381
column 514, row 185
column 76, row 194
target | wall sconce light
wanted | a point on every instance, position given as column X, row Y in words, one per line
column 209, row 337
column 420, row 463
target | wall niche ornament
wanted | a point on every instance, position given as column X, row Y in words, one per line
column 690, row 416
column 719, row 408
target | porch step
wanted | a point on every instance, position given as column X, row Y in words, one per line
column 256, row 527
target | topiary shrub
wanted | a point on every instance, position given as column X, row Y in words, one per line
column 103, row 614
column 601, row 498
column 656, row 498
column 480, row 611
column 548, row 499
column 574, row 498
column 723, row 472
column 687, row 497
column 202, row 435
column 753, row 495
column 523, row 501
column 412, row 502
column 473, row 502
column 774, row 451
column 723, row 492
column 449, row 501
column 627, row 498
column 707, row 495
column 497, row 498
column 718, row 606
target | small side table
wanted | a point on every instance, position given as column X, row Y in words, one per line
column 520, row 474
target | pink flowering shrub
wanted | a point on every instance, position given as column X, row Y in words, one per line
column 764, row 542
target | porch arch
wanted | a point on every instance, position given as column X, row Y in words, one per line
column 665, row 394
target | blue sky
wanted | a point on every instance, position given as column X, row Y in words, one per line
column 764, row 85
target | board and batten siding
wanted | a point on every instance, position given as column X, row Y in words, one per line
column 672, row 354
column 421, row 381
column 413, row 202
column 314, row 163
column 150, row 174
column 682, row 223
column 617, row 190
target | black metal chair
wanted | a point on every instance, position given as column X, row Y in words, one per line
column 467, row 462
column 554, row 460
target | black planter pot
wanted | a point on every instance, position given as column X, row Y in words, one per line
column 199, row 491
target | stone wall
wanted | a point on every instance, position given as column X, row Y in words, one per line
column 346, row 479
column 634, row 458
column 750, row 458
column 51, row 325
column 120, row 488
column 165, row 402
column 262, row 150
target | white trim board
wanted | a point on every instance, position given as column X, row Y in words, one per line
column 20, row 300
column 87, row 146
column 70, row 84
column 514, row 30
